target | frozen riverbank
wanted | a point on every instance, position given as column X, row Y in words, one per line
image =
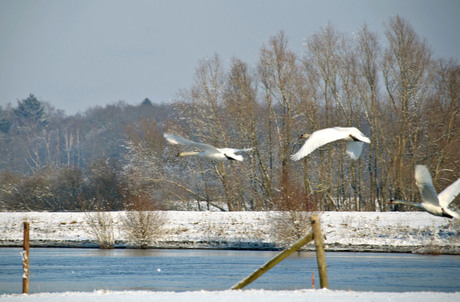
column 343, row 231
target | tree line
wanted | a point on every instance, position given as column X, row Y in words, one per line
column 115, row 157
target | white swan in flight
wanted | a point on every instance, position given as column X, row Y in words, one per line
column 355, row 140
column 207, row 151
column 431, row 202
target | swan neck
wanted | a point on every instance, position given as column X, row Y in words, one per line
column 408, row 203
column 191, row 153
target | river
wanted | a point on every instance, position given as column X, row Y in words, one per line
column 60, row 270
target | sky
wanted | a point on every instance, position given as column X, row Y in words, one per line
column 80, row 54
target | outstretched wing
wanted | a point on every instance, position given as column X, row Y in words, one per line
column 176, row 139
column 232, row 154
column 354, row 149
column 318, row 139
column 425, row 185
column 449, row 194
column 241, row 150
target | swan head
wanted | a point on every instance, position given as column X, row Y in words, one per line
column 305, row 135
column 395, row 201
column 447, row 215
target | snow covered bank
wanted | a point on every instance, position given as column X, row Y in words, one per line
column 343, row 231
column 234, row 296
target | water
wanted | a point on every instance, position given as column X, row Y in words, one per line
column 59, row 270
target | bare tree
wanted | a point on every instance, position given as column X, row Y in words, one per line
column 367, row 82
column 283, row 87
column 242, row 124
column 406, row 69
column 441, row 130
column 206, row 121
column 322, row 64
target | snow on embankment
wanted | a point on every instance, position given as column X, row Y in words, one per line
column 322, row 295
column 350, row 231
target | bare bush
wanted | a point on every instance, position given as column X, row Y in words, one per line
column 290, row 226
column 142, row 223
column 143, row 227
column 102, row 225
column 296, row 207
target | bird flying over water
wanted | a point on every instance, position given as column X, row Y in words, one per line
column 435, row 204
column 206, row 151
column 354, row 138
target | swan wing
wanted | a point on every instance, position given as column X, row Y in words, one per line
column 425, row 185
column 354, row 149
column 452, row 213
column 176, row 139
column 232, row 153
column 449, row 194
column 241, row 150
column 320, row 138
column 356, row 134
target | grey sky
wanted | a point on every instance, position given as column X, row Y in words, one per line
column 77, row 54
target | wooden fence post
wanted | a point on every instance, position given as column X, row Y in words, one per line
column 274, row 261
column 25, row 259
column 320, row 256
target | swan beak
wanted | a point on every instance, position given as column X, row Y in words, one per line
column 305, row 135
column 178, row 154
column 390, row 201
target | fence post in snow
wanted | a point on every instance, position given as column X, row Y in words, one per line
column 274, row 261
column 321, row 259
column 25, row 259
column 320, row 256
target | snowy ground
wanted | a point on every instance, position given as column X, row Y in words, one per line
column 353, row 231
column 236, row 296
column 344, row 231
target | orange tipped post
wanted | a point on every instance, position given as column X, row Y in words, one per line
column 313, row 280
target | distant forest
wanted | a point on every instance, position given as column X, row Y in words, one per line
column 115, row 157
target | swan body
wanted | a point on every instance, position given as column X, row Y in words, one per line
column 206, row 151
column 354, row 138
column 435, row 204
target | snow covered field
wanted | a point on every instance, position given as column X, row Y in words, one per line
column 344, row 231
column 236, row 296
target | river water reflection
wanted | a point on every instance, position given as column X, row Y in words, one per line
column 59, row 270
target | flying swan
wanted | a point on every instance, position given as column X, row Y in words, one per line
column 207, row 151
column 355, row 140
column 431, row 202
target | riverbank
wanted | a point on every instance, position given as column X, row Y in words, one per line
column 322, row 295
column 408, row 232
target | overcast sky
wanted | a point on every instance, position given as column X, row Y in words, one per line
column 77, row 54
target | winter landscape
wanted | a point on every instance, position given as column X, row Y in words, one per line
column 358, row 123
column 409, row 232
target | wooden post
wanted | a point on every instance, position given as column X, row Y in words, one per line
column 25, row 259
column 320, row 256
column 274, row 261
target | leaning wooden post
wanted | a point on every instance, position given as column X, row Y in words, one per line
column 320, row 256
column 274, row 261
column 25, row 259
